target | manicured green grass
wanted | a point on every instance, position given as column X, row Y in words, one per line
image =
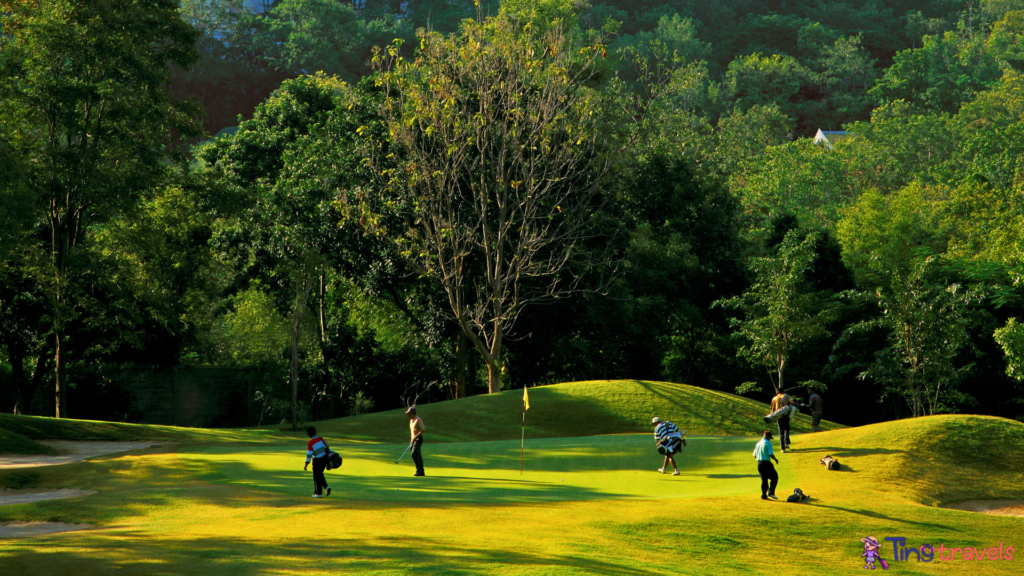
column 231, row 507
column 570, row 410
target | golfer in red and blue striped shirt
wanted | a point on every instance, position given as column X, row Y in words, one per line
column 316, row 451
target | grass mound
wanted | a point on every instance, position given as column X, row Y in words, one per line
column 567, row 411
column 932, row 460
column 18, row 433
column 13, row 443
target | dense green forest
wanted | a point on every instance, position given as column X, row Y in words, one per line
column 437, row 198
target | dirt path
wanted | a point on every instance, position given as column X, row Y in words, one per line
column 71, row 451
column 997, row 507
column 37, row 495
column 23, row 529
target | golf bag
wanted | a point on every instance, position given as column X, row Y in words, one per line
column 671, row 446
column 830, row 463
column 797, row 496
column 333, row 460
column 789, row 410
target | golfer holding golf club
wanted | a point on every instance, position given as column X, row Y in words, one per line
column 669, row 441
column 416, row 429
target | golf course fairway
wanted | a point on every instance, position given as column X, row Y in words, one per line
column 588, row 500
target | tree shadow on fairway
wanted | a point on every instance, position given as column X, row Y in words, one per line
column 591, row 454
column 133, row 553
column 879, row 516
column 843, row 452
column 731, row 476
column 407, row 489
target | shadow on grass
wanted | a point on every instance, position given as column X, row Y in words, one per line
column 100, row 553
column 879, row 516
column 731, row 476
column 407, row 489
column 844, row 452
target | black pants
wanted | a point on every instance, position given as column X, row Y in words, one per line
column 784, row 432
column 319, row 481
column 416, row 456
column 815, row 420
column 768, row 473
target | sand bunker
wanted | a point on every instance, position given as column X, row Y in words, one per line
column 70, row 452
column 36, row 495
column 23, row 529
column 997, row 507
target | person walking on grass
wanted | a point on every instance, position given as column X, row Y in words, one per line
column 669, row 441
column 416, row 429
column 316, row 450
column 779, row 401
column 817, row 407
column 764, row 456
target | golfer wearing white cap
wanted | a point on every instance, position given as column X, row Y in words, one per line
column 416, row 428
column 669, row 440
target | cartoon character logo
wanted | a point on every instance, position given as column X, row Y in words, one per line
column 870, row 554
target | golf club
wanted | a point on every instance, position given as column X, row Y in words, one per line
column 403, row 454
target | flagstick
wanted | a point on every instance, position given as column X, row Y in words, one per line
column 523, row 444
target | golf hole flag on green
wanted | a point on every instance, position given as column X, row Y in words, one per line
column 522, row 443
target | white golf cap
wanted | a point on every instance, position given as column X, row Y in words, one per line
column 411, row 410
column 655, row 420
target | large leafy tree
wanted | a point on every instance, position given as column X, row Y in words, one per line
column 83, row 91
column 927, row 323
column 496, row 131
column 779, row 310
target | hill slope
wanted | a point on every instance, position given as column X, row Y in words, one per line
column 18, row 434
column 569, row 410
column 931, row 460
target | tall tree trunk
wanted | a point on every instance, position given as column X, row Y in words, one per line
column 460, row 365
column 60, row 395
column 303, row 286
column 493, row 376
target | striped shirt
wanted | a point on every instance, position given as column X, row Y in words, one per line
column 316, row 448
column 666, row 430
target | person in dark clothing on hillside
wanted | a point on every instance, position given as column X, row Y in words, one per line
column 817, row 407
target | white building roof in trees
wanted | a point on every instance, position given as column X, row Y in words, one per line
column 830, row 137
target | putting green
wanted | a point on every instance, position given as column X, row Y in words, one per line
column 555, row 469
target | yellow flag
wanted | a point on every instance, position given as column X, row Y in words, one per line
column 526, row 400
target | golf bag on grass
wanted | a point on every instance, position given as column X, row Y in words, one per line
column 797, row 496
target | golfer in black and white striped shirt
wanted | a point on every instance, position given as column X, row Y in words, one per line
column 669, row 441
